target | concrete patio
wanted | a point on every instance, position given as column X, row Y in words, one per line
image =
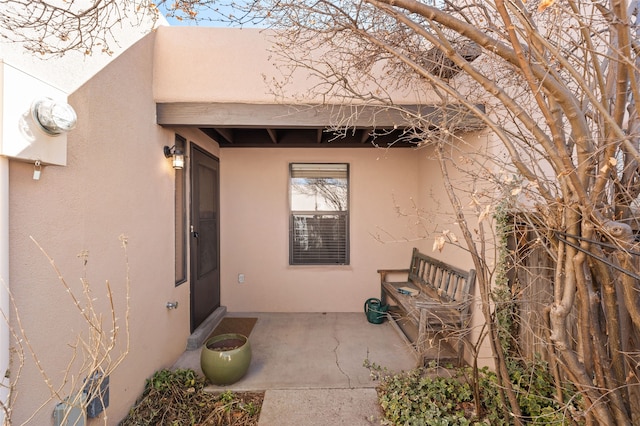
column 311, row 367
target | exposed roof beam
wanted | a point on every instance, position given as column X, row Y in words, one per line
column 226, row 133
column 364, row 136
column 273, row 135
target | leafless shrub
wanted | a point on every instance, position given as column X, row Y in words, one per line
column 93, row 354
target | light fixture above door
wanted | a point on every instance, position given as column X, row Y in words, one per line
column 177, row 156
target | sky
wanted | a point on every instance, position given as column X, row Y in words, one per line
column 206, row 18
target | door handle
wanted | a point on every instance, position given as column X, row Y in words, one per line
column 195, row 234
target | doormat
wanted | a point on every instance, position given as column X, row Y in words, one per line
column 238, row 325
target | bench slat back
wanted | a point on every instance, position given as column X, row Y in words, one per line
column 451, row 284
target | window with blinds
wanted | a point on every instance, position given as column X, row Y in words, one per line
column 319, row 219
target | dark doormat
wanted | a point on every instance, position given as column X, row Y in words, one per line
column 238, row 325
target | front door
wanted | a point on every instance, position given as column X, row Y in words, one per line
column 205, row 243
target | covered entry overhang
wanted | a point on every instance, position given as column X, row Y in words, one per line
column 221, row 80
column 281, row 125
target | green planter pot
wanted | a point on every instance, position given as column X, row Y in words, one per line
column 225, row 358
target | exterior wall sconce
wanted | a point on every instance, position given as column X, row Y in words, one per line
column 178, row 156
column 53, row 117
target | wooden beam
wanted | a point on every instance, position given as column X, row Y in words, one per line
column 273, row 135
column 275, row 116
column 226, row 133
column 364, row 136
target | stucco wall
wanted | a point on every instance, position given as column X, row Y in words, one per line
column 198, row 64
column 254, row 234
column 69, row 71
column 465, row 153
column 117, row 182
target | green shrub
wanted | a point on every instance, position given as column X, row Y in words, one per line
column 421, row 397
column 413, row 398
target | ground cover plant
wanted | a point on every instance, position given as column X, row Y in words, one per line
column 179, row 398
column 446, row 396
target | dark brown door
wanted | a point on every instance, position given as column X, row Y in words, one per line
column 205, row 243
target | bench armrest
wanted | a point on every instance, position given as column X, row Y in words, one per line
column 384, row 272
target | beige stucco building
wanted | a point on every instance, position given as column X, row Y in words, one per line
column 117, row 182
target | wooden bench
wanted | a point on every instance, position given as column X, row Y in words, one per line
column 439, row 312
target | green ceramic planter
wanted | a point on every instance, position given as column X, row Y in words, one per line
column 225, row 358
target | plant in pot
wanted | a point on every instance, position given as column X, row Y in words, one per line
column 225, row 358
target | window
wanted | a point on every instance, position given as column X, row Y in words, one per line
column 319, row 220
column 181, row 218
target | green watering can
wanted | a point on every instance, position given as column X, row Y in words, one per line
column 375, row 310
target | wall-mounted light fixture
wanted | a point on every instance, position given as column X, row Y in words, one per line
column 178, row 156
column 53, row 117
